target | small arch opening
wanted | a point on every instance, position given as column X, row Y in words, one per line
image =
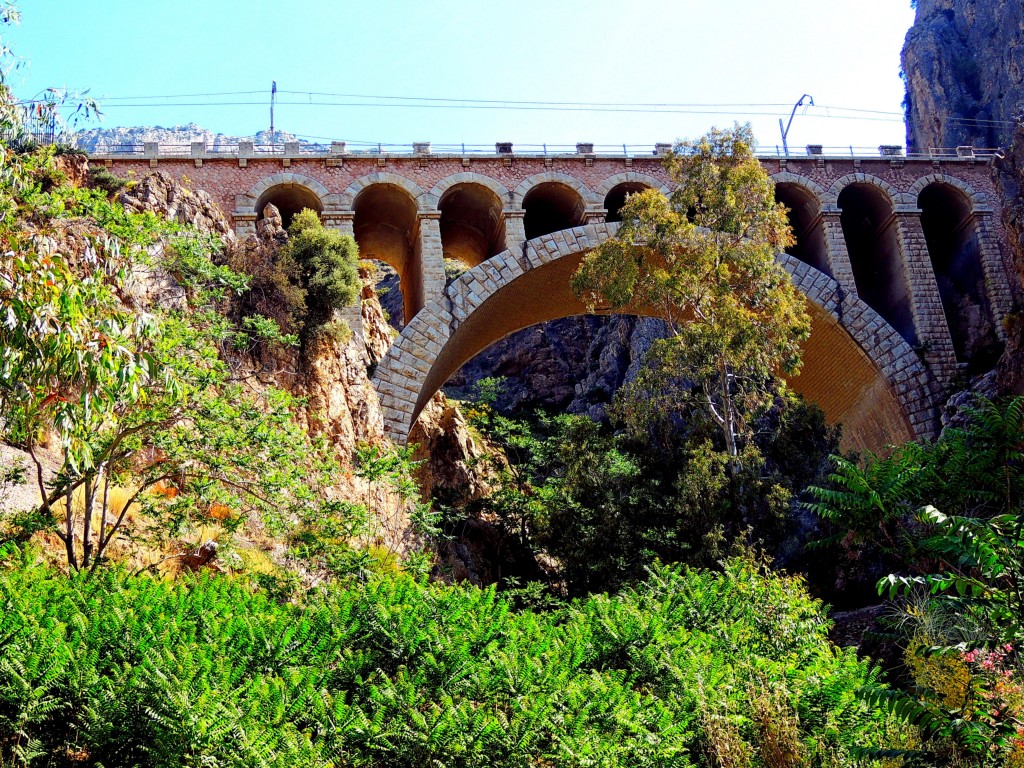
column 550, row 207
column 808, row 228
column 616, row 198
column 472, row 224
column 951, row 234
column 869, row 228
column 386, row 229
column 289, row 199
column 384, row 281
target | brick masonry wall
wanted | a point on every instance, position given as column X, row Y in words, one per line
column 918, row 380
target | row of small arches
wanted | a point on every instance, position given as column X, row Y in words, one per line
column 472, row 216
column 470, row 204
column 953, row 237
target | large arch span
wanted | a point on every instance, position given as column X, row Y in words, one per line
column 860, row 371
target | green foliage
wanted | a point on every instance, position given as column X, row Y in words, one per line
column 336, row 332
column 704, row 260
column 134, row 231
column 131, row 671
column 955, row 506
column 328, row 264
column 263, row 329
column 189, row 260
column 104, row 180
column 608, row 503
column 973, row 471
column 140, row 400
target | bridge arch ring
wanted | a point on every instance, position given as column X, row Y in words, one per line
column 433, row 198
column 348, row 197
column 602, row 189
column 519, row 193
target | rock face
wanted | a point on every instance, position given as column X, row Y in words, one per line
column 963, row 62
column 104, row 140
column 964, row 66
column 1011, row 185
column 574, row 365
column 160, row 194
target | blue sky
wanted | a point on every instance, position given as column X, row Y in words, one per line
column 844, row 53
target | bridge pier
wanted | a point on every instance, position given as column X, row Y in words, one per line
column 933, row 334
column 836, row 252
column 996, row 283
column 515, row 228
column 342, row 221
column 430, row 255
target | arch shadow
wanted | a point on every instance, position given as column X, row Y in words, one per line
column 856, row 367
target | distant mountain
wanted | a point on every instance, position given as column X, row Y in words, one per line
column 105, row 139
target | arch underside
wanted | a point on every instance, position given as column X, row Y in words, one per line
column 872, row 386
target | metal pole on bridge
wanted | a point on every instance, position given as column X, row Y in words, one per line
column 785, row 129
column 273, row 98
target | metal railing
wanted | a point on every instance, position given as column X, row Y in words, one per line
column 306, row 149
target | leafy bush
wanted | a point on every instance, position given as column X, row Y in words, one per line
column 131, row 671
column 607, row 503
column 328, row 263
column 953, row 506
column 111, row 183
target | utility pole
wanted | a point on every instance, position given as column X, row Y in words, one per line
column 273, row 98
column 785, row 130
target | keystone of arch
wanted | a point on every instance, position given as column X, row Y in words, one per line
column 433, row 198
column 286, row 180
column 348, row 197
column 865, row 178
column 978, row 199
column 402, row 377
column 646, row 179
column 824, row 198
column 589, row 198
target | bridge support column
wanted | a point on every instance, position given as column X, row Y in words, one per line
column 343, row 221
column 996, row 283
column 925, row 299
column 595, row 215
column 836, row 252
column 430, row 258
column 515, row 229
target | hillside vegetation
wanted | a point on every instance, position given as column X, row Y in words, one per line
column 219, row 562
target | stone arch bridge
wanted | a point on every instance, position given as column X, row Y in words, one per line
column 900, row 258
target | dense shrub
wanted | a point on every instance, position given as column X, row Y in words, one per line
column 328, row 263
column 124, row 671
column 947, row 516
column 607, row 501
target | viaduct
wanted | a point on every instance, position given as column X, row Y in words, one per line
column 901, row 258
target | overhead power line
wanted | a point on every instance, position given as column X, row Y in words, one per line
column 498, row 107
column 331, row 99
column 742, row 109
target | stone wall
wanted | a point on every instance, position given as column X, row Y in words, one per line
column 336, row 183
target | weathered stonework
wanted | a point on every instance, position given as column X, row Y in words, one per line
column 861, row 370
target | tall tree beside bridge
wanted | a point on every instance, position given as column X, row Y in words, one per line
column 705, row 259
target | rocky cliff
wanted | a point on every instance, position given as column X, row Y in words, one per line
column 575, row 365
column 963, row 62
column 101, row 140
column 964, row 67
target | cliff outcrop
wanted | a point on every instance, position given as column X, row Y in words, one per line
column 574, row 365
column 963, row 62
column 330, row 371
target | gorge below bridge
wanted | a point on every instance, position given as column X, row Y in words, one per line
column 901, row 258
